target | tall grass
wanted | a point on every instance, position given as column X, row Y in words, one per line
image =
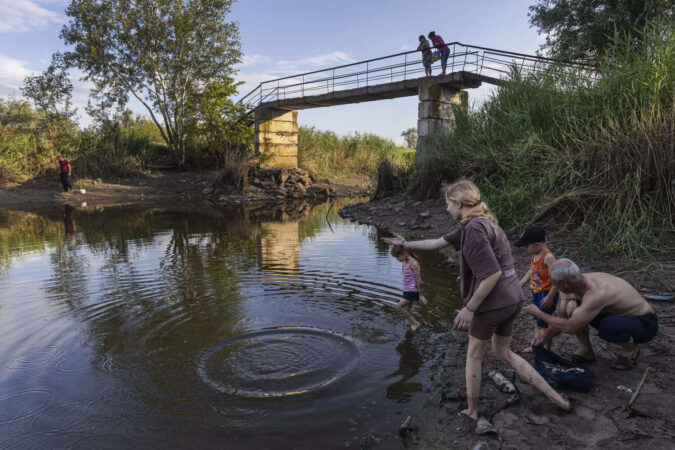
column 352, row 158
column 595, row 152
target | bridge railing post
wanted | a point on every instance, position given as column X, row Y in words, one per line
column 367, row 74
column 405, row 67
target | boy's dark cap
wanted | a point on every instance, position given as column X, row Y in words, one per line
column 530, row 236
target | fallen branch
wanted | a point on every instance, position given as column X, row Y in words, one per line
column 639, row 388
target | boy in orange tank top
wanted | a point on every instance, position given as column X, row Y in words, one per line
column 544, row 295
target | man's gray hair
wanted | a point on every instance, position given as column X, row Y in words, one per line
column 564, row 269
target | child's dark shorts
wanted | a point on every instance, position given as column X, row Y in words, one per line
column 537, row 299
column 411, row 296
column 498, row 321
column 620, row 329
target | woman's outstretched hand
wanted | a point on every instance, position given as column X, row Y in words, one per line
column 396, row 240
column 463, row 320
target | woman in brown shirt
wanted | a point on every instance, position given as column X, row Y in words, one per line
column 490, row 289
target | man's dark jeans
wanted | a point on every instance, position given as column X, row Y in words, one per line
column 64, row 181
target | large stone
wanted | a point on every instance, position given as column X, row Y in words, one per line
column 437, row 93
column 435, row 110
column 425, row 127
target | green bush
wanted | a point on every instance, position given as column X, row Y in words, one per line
column 353, row 158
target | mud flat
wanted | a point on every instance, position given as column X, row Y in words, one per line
column 601, row 418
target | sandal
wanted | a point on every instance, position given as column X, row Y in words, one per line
column 623, row 363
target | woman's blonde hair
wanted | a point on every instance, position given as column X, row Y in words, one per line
column 468, row 194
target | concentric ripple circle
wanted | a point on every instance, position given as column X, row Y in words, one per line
column 278, row 362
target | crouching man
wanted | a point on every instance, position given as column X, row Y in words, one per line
column 603, row 301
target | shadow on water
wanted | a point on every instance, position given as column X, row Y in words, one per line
column 182, row 325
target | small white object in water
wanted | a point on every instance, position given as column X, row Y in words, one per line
column 83, row 205
column 82, row 191
column 339, row 282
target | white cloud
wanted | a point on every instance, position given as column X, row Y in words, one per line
column 312, row 62
column 254, row 59
column 12, row 73
column 26, row 15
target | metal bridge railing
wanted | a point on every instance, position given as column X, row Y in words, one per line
column 399, row 67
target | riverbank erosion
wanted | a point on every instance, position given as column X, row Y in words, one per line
column 601, row 418
column 261, row 186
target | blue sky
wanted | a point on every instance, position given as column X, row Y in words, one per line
column 284, row 37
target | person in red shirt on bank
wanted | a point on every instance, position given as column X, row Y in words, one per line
column 64, row 172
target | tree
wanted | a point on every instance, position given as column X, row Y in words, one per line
column 51, row 92
column 583, row 29
column 159, row 51
column 219, row 125
column 410, row 137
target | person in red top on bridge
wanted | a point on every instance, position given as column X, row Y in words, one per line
column 65, row 171
column 439, row 43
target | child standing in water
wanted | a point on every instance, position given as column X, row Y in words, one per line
column 544, row 295
column 411, row 285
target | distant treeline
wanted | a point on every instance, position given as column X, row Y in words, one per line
column 30, row 141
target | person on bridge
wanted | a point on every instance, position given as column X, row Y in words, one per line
column 426, row 55
column 490, row 289
column 605, row 302
column 439, row 43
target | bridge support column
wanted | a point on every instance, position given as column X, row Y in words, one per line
column 276, row 134
column 435, row 112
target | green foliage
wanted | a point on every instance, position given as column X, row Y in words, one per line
column 410, row 137
column 217, row 124
column 30, row 140
column 159, row 51
column 591, row 152
column 353, row 158
column 583, row 29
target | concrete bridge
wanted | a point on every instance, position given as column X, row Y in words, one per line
column 275, row 103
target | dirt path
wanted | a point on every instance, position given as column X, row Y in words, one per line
column 151, row 187
column 601, row 418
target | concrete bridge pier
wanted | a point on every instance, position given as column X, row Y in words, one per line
column 276, row 135
column 435, row 111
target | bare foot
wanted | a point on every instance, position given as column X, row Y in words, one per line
column 567, row 407
column 415, row 326
column 469, row 415
column 528, row 349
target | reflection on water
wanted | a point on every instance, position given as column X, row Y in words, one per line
column 189, row 325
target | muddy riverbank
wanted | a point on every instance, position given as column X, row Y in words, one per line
column 182, row 186
column 601, row 418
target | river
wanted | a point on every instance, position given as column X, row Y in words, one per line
column 190, row 325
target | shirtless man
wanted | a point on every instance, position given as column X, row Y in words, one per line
column 603, row 301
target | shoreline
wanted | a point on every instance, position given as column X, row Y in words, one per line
column 163, row 186
column 601, row 418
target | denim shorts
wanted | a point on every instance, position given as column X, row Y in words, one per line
column 537, row 299
column 445, row 54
